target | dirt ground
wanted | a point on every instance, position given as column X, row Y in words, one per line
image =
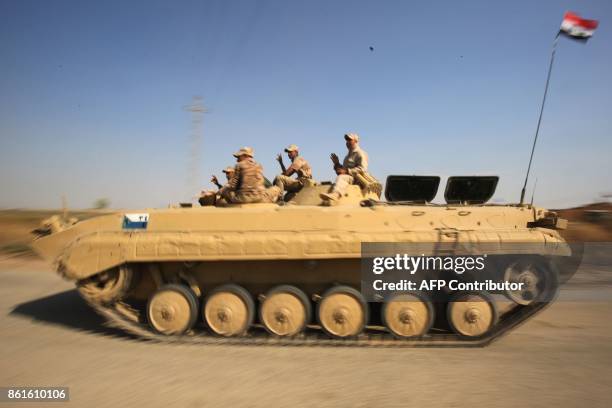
column 50, row 337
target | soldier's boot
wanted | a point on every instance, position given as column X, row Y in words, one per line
column 330, row 197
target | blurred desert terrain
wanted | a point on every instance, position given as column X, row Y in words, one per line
column 50, row 337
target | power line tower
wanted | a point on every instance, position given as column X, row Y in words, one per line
column 197, row 110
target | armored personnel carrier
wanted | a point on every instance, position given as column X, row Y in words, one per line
column 291, row 273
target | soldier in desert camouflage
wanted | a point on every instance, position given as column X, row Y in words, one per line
column 208, row 197
column 353, row 170
column 299, row 166
column 229, row 173
column 247, row 182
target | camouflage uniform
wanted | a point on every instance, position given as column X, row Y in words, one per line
column 247, row 183
column 209, row 197
column 356, row 165
column 299, row 166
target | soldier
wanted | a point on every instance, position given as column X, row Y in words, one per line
column 209, row 197
column 354, row 169
column 299, row 166
column 247, row 182
column 229, row 172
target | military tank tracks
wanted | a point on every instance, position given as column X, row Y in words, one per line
column 177, row 312
column 121, row 316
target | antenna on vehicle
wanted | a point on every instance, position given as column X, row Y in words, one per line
column 535, row 139
column 533, row 192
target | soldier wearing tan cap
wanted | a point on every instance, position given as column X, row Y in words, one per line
column 209, row 197
column 229, row 172
column 355, row 164
column 299, row 166
column 247, row 183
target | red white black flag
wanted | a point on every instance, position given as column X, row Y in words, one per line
column 577, row 28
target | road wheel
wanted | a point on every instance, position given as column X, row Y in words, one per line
column 539, row 281
column 229, row 310
column 172, row 309
column 472, row 314
column 285, row 311
column 108, row 286
column 408, row 315
column 342, row 312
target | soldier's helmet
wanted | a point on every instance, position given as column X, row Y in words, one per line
column 244, row 151
column 292, row 148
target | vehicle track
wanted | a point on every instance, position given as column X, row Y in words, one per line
column 372, row 337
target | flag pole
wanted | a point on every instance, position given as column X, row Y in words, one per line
column 535, row 139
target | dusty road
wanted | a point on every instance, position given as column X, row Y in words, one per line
column 49, row 337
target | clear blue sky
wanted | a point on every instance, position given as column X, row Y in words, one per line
column 92, row 93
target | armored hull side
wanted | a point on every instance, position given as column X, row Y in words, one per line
column 273, row 233
column 292, row 269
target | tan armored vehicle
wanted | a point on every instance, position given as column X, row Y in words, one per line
column 211, row 274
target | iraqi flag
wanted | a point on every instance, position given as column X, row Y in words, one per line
column 577, row 28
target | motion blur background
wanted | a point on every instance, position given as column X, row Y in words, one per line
column 93, row 94
column 93, row 100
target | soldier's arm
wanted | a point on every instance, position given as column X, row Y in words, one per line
column 279, row 158
column 338, row 168
column 295, row 166
column 335, row 160
column 215, row 181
